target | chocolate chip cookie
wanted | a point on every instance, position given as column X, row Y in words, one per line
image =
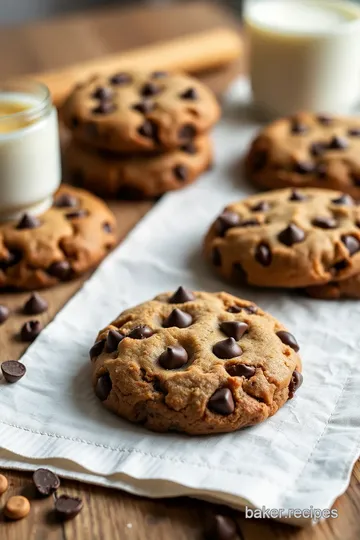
column 287, row 238
column 308, row 151
column 195, row 362
column 137, row 111
column 140, row 176
column 347, row 288
column 64, row 242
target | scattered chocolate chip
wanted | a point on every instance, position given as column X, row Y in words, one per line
column 68, row 507
column 298, row 128
column 149, row 129
column 351, row 242
column 325, row 222
column 120, row 78
column 190, row 94
column 189, row 148
column 60, row 270
column 173, row 358
column 107, row 227
column 324, row 119
column 178, row 318
column 186, row 132
column 103, row 93
column 239, row 273
column 241, row 370
column 219, row 527
column 13, row 370
column 354, row 132
column 295, row 383
column 140, row 332
column 216, row 257
column 262, row 206
column 76, row 214
column 35, row 304
column 159, row 74
column 259, row 160
column 181, row 172
column 317, row 148
column 144, row 107
column 288, row 339
column 297, row 196
column 344, row 199
column 234, row 329
column 234, row 309
column 104, row 107
column 181, row 296
column 4, row 313
column 46, row 482
column 222, row 402
column 291, row 235
column 112, row 341
column 228, row 348
column 226, row 220
column 338, row 143
column 103, row 387
column 28, row 222
column 65, row 200
column 304, row 167
column 30, row 330
column 263, row 255
column 97, row 349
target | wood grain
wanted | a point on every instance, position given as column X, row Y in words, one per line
column 110, row 514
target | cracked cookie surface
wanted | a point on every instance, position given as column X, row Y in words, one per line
column 137, row 111
column 63, row 242
column 287, row 238
column 195, row 362
column 307, row 150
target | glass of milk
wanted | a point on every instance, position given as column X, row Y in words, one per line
column 304, row 55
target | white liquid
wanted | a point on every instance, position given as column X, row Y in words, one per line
column 304, row 54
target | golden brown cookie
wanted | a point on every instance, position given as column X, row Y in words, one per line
column 308, row 151
column 136, row 111
column 144, row 175
column 66, row 241
column 287, row 238
column 195, row 362
column 347, row 288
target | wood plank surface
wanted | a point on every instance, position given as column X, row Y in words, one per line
column 110, row 514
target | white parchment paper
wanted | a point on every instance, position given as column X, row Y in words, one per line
column 302, row 456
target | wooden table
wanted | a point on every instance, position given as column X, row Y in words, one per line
column 110, row 514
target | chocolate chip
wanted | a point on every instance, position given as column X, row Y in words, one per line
column 35, row 304
column 120, row 78
column 28, row 222
column 259, row 160
column 149, row 129
column 351, row 242
column 65, row 200
column 103, row 93
column 186, row 132
column 262, row 206
column 354, row 132
column 344, row 199
column 234, row 309
column 297, row 127
column 222, row 402
column 150, row 89
column 159, row 74
column 12, row 259
column 4, row 313
column 325, row 222
column 30, row 330
column 77, row 214
column 338, row 143
column 112, row 341
column 189, row 148
column 68, row 507
column 104, row 107
column 297, row 196
column 173, row 358
column 324, row 119
column 60, row 270
column 317, row 148
column 340, row 265
column 144, row 107
column 190, row 94
column 288, row 339
column 216, row 257
column 46, row 482
column 140, row 332
column 263, row 255
column 97, row 349
column 304, row 167
column 181, row 172
column 241, row 370
column 107, row 227
column 181, row 296
column 234, row 329
column 228, row 348
column 291, row 235
column 103, row 387
column 295, row 383
column 13, row 371
column 226, row 220
column 178, row 318
column 251, row 309
column 239, row 273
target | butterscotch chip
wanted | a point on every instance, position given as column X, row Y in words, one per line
column 3, row 484
column 222, row 363
column 17, row 507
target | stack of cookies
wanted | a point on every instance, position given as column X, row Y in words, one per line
column 137, row 134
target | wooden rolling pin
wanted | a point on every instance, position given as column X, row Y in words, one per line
column 191, row 53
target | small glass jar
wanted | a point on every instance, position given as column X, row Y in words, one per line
column 30, row 168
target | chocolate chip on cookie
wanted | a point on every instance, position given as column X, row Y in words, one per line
column 181, row 295
column 178, row 318
column 141, row 332
column 291, row 235
column 173, row 358
column 112, row 341
column 28, row 222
